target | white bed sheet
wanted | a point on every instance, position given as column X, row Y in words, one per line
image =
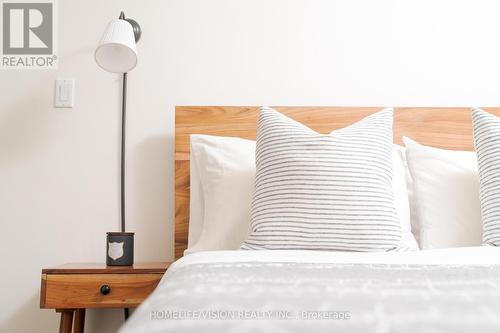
column 476, row 255
column 443, row 290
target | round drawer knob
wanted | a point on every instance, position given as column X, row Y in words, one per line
column 105, row 289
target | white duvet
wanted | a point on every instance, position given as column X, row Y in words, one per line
column 446, row 290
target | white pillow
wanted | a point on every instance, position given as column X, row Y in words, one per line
column 226, row 172
column 237, row 157
column 402, row 198
column 446, row 186
column 414, row 224
column 196, row 202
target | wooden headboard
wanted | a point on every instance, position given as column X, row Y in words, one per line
column 448, row 128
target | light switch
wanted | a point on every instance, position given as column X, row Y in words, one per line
column 64, row 95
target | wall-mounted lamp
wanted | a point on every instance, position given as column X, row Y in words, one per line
column 117, row 53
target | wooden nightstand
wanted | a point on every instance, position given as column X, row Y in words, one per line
column 72, row 288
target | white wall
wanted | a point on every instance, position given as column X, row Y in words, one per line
column 59, row 168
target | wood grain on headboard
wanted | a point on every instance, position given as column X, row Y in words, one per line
column 448, row 128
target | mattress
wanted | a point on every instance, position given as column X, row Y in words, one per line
column 446, row 290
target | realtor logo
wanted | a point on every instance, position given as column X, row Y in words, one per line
column 28, row 34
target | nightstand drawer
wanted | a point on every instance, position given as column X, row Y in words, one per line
column 66, row 291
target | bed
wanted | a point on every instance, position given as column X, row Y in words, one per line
column 442, row 290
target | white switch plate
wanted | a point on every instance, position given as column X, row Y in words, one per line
column 65, row 91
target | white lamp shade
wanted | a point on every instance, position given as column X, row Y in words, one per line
column 117, row 51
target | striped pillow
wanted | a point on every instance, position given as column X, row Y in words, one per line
column 487, row 142
column 324, row 192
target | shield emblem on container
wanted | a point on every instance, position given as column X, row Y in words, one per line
column 115, row 250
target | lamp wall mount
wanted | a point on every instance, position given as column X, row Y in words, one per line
column 135, row 26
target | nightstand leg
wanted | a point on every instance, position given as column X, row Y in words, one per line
column 66, row 321
column 79, row 324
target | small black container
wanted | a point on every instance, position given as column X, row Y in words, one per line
column 120, row 249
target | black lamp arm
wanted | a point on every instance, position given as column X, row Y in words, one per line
column 137, row 34
column 122, row 170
